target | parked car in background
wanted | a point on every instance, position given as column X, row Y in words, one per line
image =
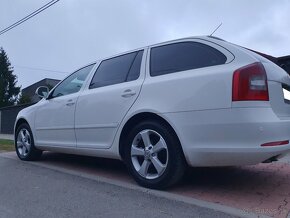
column 196, row 101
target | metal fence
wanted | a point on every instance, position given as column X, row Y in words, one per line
column 8, row 116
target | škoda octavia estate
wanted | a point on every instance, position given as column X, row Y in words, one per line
column 196, row 101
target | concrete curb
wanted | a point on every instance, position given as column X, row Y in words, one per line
column 7, row 136
column 162, row 194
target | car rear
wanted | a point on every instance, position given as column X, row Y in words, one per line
column 256, row 128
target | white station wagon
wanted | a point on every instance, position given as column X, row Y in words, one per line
column 196, row 101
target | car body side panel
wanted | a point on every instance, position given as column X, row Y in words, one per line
column 54, row 121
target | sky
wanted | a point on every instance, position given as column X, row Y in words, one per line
column 73, row 33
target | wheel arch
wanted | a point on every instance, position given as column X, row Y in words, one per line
column 19, row 122
column 134, row 120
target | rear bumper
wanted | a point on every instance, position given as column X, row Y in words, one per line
column 229, row 137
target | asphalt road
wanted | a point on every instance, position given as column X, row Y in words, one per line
column 27, row 190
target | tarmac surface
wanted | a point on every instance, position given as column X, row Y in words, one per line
column 29, row 190
column 263, row 189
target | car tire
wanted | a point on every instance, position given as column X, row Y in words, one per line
column 24, row 144
column 153, row 155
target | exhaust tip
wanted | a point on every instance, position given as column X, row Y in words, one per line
column 272, row 159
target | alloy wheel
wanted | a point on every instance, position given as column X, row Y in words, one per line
column 23, row 142
column 149, row 154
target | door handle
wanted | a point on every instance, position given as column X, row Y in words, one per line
column 70, row 103
column 128, row 93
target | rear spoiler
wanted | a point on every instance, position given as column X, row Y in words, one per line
column 283, row 62
column 269, row 57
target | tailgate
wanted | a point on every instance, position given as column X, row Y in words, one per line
column 279, row 89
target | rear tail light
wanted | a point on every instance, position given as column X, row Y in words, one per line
column 250, row 83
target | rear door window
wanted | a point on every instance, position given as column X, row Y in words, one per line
column 117, row 70
column 183, row 56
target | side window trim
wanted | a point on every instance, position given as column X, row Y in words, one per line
column 91, row 75
column 141, row 52
column 126, row 80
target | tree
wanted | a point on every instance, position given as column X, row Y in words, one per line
column 8, row 89
column 24, row 99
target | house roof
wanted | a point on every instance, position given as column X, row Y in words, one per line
column 43, row 81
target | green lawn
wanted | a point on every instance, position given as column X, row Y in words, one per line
column 6, row 145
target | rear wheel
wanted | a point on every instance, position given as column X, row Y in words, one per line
column 153, row 155
column 24, row 144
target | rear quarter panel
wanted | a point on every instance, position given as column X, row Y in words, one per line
column 198, row 89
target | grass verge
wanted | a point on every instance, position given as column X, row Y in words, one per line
column 6, row 145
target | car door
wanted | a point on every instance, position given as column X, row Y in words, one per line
column 54, row 119
column 102, row 106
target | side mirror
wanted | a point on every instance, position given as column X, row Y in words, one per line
column 42, row 91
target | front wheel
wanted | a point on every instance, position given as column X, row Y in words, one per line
column 24, row 144
column 153, row 155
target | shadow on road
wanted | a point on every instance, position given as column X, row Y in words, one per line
column 202, row 178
